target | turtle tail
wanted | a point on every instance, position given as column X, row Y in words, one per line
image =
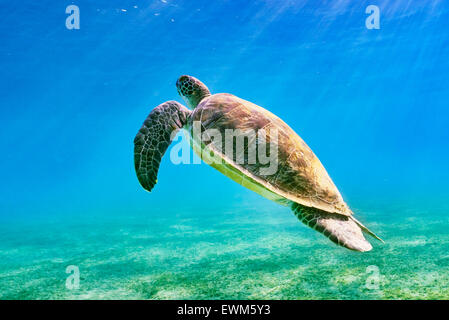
column 340, row 229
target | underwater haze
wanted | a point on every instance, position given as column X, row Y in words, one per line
column 373, row 104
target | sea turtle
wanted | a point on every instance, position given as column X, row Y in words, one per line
column 300, row 180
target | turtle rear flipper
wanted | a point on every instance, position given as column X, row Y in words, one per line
column 340, row 229
column 154, row 137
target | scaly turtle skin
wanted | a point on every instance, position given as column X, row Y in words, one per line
column 300, row 180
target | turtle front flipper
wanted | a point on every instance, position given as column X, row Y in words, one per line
column 340, row 229
column 154, row 137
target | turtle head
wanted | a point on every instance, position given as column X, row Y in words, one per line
column 191, row 90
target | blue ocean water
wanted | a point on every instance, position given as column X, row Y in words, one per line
column 371, row 103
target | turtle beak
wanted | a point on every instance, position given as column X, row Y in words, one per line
column 179, row 84
column 181, row 79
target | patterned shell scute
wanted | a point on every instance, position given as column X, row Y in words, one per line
column 300, row 176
